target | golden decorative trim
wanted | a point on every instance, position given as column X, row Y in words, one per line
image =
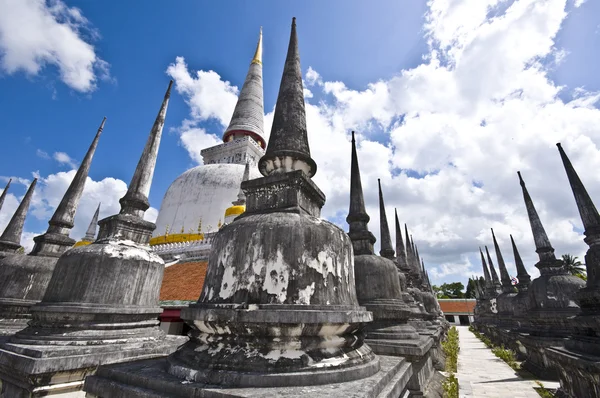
column 175, row 238
column 235, row 210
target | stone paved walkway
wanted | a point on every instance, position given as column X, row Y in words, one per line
column 482, row 374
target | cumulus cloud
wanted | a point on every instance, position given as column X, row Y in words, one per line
column 455, row 129
column 209, row 97
column 38, row 33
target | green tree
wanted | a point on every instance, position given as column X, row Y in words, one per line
column 449, row 290
column 471, row 288
column 574, row 266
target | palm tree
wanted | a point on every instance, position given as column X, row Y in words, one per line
column 574, row 266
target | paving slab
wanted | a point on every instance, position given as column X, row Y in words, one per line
column 482, row 374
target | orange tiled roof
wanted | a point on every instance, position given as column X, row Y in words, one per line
column 457, row 306
column 183, row 281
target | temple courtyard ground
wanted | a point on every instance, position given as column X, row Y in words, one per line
column 482, row 374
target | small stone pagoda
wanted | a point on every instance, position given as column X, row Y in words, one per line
column 10, row 240
column 101, row 303
column 24, row 279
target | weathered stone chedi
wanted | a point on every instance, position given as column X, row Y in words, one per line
column 24, row 279
column 553, row 322
column 283, row 274
column 101, row 303
column 279, row 312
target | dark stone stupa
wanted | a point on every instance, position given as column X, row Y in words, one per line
column 101, row 303
column 278, row 314
column 24, row 279
column 10, row 240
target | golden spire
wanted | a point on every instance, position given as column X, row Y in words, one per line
column 258, row 54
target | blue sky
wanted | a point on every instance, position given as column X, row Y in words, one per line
column 354, row 43
column 140, row 42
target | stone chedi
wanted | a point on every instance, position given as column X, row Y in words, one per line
column 542, row 314
column 279, row 271
column 278, row 313
column 194, row 203
column 552, row 300
column 101, row 304
column 24, row 279
column 379, row 289
column 578, row 362
column 10, row 240
column 553, row 292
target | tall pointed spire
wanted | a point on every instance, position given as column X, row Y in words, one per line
column 90, row 235
column 591, row 222
column 387, row 250
column 288, row 148
column 543, row 247
column 522, row 275
column 410, row 254
column 135, row 202
column 585, row 205
column 357, row 219
column 486, row 272
column 495, row 279
column 400, row 250
column 248, row 115
column 415, row 257
column 504, row 277
column 56, row 240
column 257, row 59
column 3, row 195
column 10, row 240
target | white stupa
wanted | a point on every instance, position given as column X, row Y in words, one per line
column 200, row 200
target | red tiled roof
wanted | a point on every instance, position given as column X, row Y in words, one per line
column 183, row 281
column 451, row 306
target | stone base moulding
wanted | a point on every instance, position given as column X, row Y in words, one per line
column 150, row 379
column 35, row 370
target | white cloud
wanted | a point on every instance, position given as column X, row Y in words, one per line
column 37, row 33
column 480, row 107
column 64, row 158
column 208, row 97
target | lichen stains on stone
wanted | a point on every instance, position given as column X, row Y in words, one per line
column 305, row 294
column 277, row 277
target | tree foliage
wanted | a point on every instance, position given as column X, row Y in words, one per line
column 574, row 266
column 449, row 290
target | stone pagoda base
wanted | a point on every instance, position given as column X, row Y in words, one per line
column 28, row 370
column 151, row 379
column 579, row 373
column 14, row 315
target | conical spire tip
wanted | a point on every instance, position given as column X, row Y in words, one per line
column 521, row 179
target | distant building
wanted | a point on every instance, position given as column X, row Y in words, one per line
column 458, row 311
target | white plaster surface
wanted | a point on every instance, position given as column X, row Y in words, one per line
column 201, row 193
column 482, row 374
